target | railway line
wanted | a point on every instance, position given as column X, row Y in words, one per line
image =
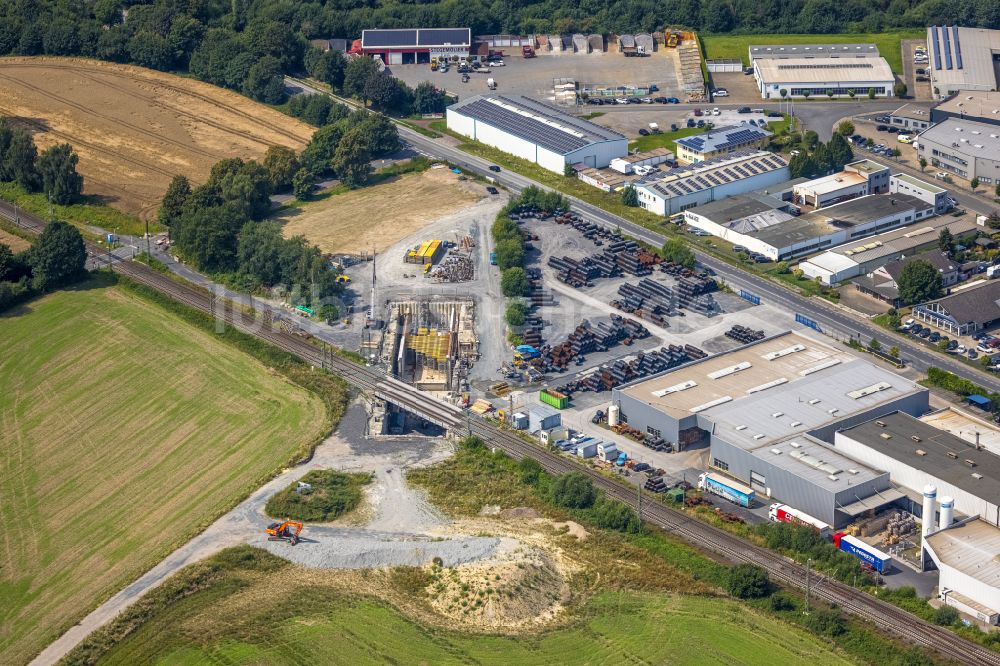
column 877, row 613
column 781, row 569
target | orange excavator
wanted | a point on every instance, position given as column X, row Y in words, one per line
column 287, row 530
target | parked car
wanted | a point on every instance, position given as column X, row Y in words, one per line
column 892, row 130
column 881, row 128
column 621, row 100
column 492, row 190
column 647, row 100
column 697, row 112
column 673, row 100
column 922, row 79
column 919, row 71
column 643, row 131
column 925, row 333
column 972, row 353
column 904, row 138
column 701, row 123
column 496, row 62
column 690, row 122
column 773, row 114
column 716, row 112
column 743, row 109
column 660, row 100
column 739, row 248
column 720, row 92
column 940, row 175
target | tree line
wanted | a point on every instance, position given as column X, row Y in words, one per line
column 816, row 158
column 56, row 258
column 245, row 43
column 220, row 226
column 52, row 172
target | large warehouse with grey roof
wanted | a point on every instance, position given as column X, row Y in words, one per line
column 769, row 410
column 535, row 131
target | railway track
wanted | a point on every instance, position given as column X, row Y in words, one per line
column 878, row 613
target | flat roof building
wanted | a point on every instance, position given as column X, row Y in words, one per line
column 964, row 312
column 981, row 106
column 971, row 428
column 962, row 59
column 684, row 187
column 535, row 131
column 780, row 236
column 407, row 46
column 821, row 77
column 767, row 409
column 965, row 148
column 911, row 117
column 720, row 141
column 917, row 454
column 813, row 51
column 968, row 558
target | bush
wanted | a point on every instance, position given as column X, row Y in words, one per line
column 748, row 581
column 531, row 471
column 516, row 312
column 826, row 622
column 782, row 602
column 332, row 495
column 514, row 282
column 614, row 515
column 946, row 616
column 510, row 253
column 573, row 491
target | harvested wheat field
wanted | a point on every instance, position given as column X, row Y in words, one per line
column 15, row 243
column 379, row 215
column 124, row 431
column 135, row 129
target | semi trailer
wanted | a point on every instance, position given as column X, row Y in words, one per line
column 735, row 492
column 869, row 555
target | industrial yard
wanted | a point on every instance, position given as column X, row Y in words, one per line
column 134, row 128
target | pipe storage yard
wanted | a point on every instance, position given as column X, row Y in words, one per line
column 880, row 614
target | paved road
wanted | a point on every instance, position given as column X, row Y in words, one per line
column 831, row 319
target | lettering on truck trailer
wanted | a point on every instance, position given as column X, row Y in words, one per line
column 859, row 549
column 782, row 513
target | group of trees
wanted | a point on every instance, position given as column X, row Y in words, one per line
column 510, row 241
column 361, row 78
column 53, row 172
column 818, row 159
column 919, row 282
column 247, row 45
column 56, row 258
column 575, row 490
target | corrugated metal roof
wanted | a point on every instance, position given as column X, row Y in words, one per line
column 824, row 70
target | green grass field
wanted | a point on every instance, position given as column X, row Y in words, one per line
column 84, row 215
column 125, row 431
column 735, row 46
column 233, row 621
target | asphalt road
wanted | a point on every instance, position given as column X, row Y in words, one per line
column 829, row 318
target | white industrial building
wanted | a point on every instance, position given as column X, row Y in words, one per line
column 856, row 180
column 761, row 224
column 794, row 71
column 537, row 132
column 967, row 555
column 859, row 258
column 963, row 147
column 962, row 59
column 685, row 187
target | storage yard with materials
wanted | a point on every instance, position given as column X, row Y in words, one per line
column 135, row 129
column 126, row 431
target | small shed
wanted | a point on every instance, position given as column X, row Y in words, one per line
column 980, row 401
column 676, row 495
column 587, row 449
column 519, row 420
column 543, row 417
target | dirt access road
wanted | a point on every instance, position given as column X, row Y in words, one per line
column 135, row 129
column 405, row 529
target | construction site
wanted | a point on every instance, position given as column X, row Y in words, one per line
column 431, row 343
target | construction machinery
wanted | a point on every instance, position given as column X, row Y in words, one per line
column 286, row 531
column 344, row 279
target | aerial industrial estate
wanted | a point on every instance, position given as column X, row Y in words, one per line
column 519, row 346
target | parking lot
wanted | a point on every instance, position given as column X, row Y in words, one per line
column 534, row 77
column 973, row 347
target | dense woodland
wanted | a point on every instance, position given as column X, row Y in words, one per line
column 247, row 43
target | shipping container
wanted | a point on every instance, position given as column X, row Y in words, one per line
column 782, row 513
column 554, row 398
column 869, row 555
column 735, row 492
column 586, row 449
column 607, row 451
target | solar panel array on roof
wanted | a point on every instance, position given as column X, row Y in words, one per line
column 419, row 38
column 724, row 138
column 536, row 122
column 692, row 178
column 947, row 49
column 958, row 47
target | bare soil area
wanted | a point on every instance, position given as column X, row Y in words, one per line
column 15, row 243
column 135, row 129
column 380, row 215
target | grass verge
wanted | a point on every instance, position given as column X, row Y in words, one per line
column 332, row 494
column 91, row 213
